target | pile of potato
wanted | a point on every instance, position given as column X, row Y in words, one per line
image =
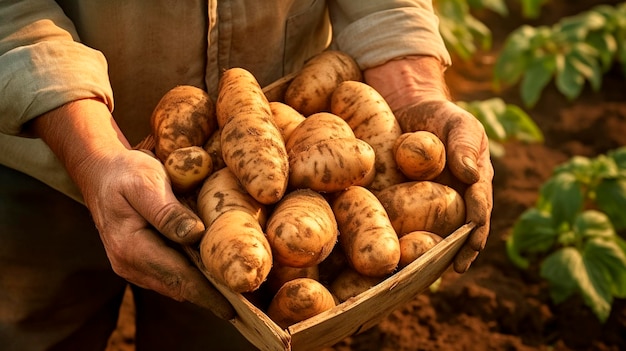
column 310, row 200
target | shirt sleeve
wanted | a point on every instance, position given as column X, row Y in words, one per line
column 43, row 64
column 374, row 32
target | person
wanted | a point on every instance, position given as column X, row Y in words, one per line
column 83, row 214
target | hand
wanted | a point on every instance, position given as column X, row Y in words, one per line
column 130, row 198
column 416, row 92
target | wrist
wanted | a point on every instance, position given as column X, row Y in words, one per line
column 408, row 80
column 79, row 133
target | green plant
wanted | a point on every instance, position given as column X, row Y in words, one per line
column 572, row 231
column 503, row 122
column 576, row 50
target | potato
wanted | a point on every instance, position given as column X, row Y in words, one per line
column 423, row 205
column 281, row 274
column 331, row 165
column 367, row 237
column 222, row 192
column 235, row 252
column 420, row 155
column 185, row 116
column 187, row 167
column 350, row 283
column 372, row 121
column 213, row 147
column 299, row 299
column 414, row 244
column 310, row 90
column 252, row 146
column 285, row 117
column 318, row 127
column 302, row 230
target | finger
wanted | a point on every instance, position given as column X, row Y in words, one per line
column 161, row 209
column 466, row 141
column 478, row 203
column 464, row 258
column 152, row 264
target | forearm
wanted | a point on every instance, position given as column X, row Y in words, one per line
column 408, row 80
column 79, row 132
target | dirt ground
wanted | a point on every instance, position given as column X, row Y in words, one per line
column 495, row 306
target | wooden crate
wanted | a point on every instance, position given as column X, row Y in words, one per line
column 350, row 317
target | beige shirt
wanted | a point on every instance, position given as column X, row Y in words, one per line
column 130, row 52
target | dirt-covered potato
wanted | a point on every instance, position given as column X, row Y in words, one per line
column 299, row 299
column 185, row 116
column 187, row 167
column 420, row 155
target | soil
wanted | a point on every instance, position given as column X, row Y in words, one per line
column 495, row 306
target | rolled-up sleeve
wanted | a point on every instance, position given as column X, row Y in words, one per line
column 43, row 66
column 374, row 32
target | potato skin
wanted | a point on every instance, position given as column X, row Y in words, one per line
column 252, row 146
column 423, row 205
column 302, row 230
column 222, row 192
column 366, row 235
column 311, row 88
column 234, row 251
column 184, row 116
column 299, row 299
column 372, row 121
column 281, row 274
column 414, row 244
column 350, row 283
column 285, row 117
column 187, row 168
column 213, row 147
column 318, row 127
column 420, row 155
column 331, row 165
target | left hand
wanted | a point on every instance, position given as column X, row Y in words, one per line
column 415, row 90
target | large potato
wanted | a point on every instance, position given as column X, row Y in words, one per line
column 252, row 145
column 318, row 127
column 234, row 251
column 367, row 237
column 372, row 121
column 185, row 116
column 331, row 165
column 301, row 230
column 423, row 205
column 222, row 192
column 299, row 299
column 310, row 90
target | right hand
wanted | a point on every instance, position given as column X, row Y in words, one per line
column 130, row 198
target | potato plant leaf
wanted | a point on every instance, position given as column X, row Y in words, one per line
column 609, row 255
column 562, row 196
column 610, row 197
column 569, row 80
column 539, row 73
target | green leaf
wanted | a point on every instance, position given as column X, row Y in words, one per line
column 569, row 81
column 595, row 284
column 519, row 125
column 579, row 166
column 610, row 197
column 593, row 224
column 562, row 196
column 561, row 269
column 609, row 256
column 497, row 6
column 606, row 47
column 538, row 74
column 514, row 56
column 584, row 58
column 532, row 8
column 534, row 232
column 619, row 156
